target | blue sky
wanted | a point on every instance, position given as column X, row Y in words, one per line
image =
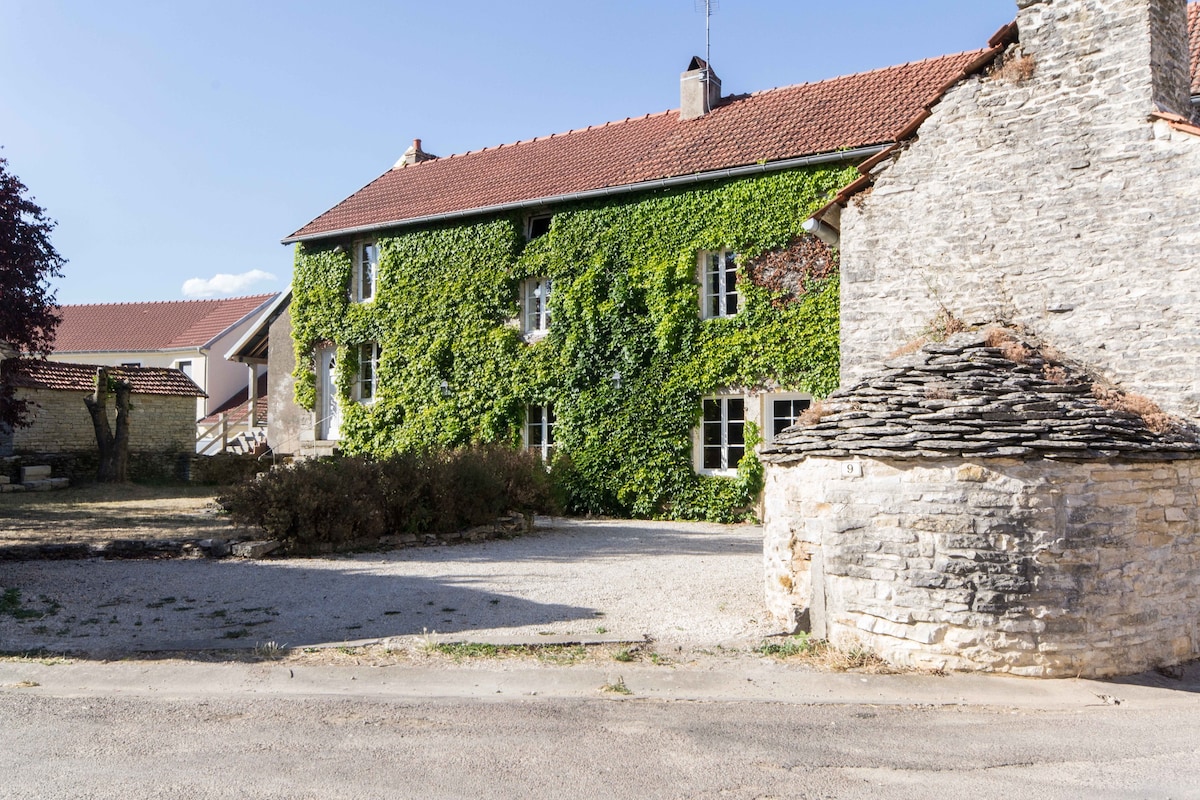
column 178, row 142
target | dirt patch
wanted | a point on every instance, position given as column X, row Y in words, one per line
column 99, row 513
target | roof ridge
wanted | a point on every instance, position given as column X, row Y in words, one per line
column 167, row 302
column 558, row 135
column 864, row 73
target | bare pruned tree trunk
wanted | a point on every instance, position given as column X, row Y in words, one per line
column 114, row 449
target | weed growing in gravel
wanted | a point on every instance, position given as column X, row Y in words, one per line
column 270, row 651
column 624, row 655
column 800, row 644
column 554, row 654
column 616, row 687
column 822, row 655
column 11, row 604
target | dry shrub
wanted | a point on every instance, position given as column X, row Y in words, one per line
column 938, row 393
column 944, row 324
column 1014, row 67
column 347, row 499
column 812, row 415
column 820, row 654
column 792, row 271
column 1055, row 374
column 1009, row 347
column 910, row 348
column 1155, row 418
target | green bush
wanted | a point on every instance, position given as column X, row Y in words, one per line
column 343, row 500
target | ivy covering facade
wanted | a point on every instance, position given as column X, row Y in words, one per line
column 626, row 359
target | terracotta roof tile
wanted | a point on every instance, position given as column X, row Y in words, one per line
column 134, row 327
column 773, row 125
column 1194, row 37
column 82, row 378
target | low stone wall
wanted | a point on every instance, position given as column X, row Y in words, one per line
column 1039, row 567
column 81, row 467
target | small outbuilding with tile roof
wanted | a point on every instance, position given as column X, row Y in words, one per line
column 162, row 432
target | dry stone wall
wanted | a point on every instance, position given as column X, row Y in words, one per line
column 1027, row 567
column 1043, row 194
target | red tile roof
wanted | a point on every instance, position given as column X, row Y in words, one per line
column 1194, row 38
column 137, row 327
column 774, row 125
column 82, row 378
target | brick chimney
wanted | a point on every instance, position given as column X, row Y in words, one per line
column 413, row 155
column 1132, row 54
column 699, row 90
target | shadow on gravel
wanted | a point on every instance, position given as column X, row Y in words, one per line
column 106, row 608
column 576, row 539
column 1182, row 678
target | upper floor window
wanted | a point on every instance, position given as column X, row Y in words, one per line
column 535, row 305
column 366, row 270
column 539, row 429
column 718, row 284
column 368, row 367
column 782, row 410
column 537, row 225
column 722, row 433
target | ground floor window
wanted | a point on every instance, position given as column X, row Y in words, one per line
column 782, row 410
column 722, row 433
column 539, row 429
column 368, row 365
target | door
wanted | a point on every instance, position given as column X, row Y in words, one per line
column 329, row 422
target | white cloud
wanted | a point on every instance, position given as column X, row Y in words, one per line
column 224, row 284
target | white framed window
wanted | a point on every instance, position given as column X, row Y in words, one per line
column 366, row 270
column 131, row 363
column 368, row 368
column 781, row 410
column 535, row 305
column 718, row 284
column 539, row 429
column 722, row 434
column 537, row 225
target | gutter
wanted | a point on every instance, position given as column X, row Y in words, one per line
column 611, row 191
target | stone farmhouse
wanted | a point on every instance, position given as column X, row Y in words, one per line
column 162, row 418
column 189, row 335
column 637, row 301
column 1009, row 479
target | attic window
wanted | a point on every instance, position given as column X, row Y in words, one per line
column 537, row 225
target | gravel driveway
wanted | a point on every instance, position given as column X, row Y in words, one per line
column 687, row 585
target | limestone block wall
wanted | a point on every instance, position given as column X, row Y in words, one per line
column 1031, row 568
column 61, row 423
column 1051, row 200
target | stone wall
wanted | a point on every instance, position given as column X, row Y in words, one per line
column 1051, row 201
column 60, row 422
column 285, row 419
column 1047, row 568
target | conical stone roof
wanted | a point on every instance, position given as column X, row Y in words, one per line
column 985, row 394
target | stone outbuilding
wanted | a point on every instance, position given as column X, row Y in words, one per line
column 162, row 417
column 975, row 505
column 982, row 503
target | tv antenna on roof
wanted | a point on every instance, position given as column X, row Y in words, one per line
column 708, row 7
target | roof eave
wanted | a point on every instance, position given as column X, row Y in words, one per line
column 848, row 155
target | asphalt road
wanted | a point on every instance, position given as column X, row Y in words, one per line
column 760, row 730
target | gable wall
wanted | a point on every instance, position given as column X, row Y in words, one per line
column 1052, row 202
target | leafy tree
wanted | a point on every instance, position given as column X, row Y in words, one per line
column 28, row 312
